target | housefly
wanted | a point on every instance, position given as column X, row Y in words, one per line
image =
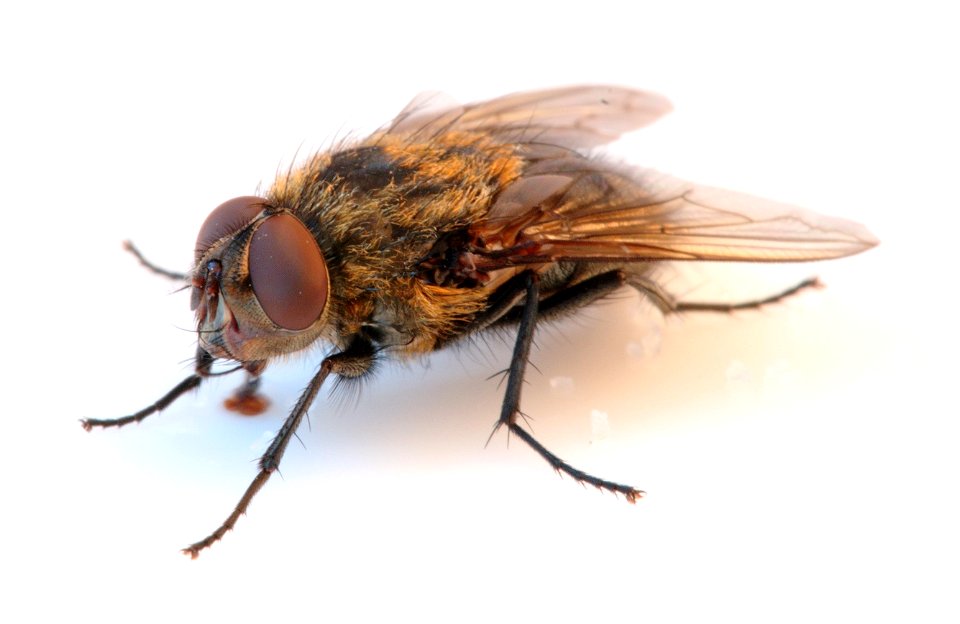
column 453, row 220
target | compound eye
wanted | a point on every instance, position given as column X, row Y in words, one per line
column 226, row 219
column 288, row 272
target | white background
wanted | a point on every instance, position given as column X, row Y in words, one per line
column 801, row 461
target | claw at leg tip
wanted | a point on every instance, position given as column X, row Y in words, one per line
column 191, row 552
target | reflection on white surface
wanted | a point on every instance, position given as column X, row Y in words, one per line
column 798, row 461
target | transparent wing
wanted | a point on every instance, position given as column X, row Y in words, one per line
column 572, row 117
column 574, row 208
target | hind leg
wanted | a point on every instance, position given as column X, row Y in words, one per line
column 754, row 304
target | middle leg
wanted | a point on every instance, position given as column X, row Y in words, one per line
column 511, row 400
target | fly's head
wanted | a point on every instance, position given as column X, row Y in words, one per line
column 260, row 282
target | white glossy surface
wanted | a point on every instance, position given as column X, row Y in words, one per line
column 800, row 462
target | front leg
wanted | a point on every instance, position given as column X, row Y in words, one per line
column 354, row 361
column 203, row 363
column 511, row 400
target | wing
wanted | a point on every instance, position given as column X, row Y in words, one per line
column 569, row 207
column 572, row 117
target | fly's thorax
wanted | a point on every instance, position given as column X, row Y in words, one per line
column 376, row 209
column 260, row 282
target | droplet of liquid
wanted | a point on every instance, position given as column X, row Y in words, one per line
column 562, row 386
column 599, row 425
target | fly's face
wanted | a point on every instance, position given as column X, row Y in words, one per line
column 260, row 282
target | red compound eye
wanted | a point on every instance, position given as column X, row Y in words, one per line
column 227, row 218
column 288, row 272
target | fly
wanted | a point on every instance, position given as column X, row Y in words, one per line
column 453, row 220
